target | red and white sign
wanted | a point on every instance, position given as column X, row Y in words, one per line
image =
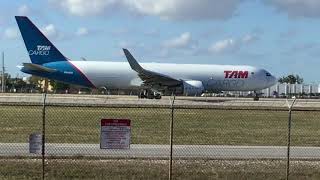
column 115, row 134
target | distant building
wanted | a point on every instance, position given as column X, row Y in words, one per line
column 291, row 89
column 41, row 84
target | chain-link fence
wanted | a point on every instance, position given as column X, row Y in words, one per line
column 240, row 141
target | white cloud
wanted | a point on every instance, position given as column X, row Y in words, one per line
column 165, row 9
column 49, row 30
column 125, row 44
column 11, row 33
column 297, row 8
column 249, row 38
column 23, row 10
column 183, row 41
column 232, row 45
column 85, row 7
column 225, row 45
column 82, row 31
column 185, row 10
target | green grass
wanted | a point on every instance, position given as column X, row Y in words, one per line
column 156, row 169
column 151, row 125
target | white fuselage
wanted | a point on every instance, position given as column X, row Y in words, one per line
column 119, row 75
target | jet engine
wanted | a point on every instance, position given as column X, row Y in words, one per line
column 191, row 88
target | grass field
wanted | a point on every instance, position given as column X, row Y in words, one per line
column 151, row 125
column 156, row 169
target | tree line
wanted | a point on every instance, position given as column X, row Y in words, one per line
column 34, row 84
column 291, row 79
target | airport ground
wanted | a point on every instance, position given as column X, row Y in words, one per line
column 156, row 169
column 67, row 124
column 134, row 101
column 197, row 121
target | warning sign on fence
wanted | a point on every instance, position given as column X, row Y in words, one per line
column 115, row 134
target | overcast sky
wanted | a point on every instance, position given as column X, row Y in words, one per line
column 279, row 35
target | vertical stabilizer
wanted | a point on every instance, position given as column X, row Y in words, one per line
column 40, row 49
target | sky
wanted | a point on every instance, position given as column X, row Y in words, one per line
column 279, row 35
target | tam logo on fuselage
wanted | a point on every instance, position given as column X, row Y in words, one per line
column 41, row 51
column 236, row 74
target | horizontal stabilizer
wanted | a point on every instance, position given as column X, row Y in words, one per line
column 36, row 67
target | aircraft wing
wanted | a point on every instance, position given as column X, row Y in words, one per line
column 37, row 67
column 148, row 77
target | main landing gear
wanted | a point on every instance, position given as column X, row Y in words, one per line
column 146, row 93
column 256, row 96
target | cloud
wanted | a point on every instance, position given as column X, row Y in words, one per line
column 126, row 44
column 183, row 41
column 249, row 38
column 297, row 8
column 226, row 45
column 82, row 31
column 11, row 33
column 51, row 32
column 24, row 10
column 165, row 9
column 184, row 44
column 138, row 48
column 85, row 7
column 185, row 10
column 231, row 45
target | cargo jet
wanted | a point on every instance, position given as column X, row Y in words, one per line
column 153, row 79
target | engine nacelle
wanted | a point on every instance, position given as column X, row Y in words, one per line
column 191, row 88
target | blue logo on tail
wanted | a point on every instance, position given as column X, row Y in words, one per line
column 43, row 52
column 40, row 49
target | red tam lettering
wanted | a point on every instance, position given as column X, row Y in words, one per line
column 234, row 74
column 243, row 74
column 226, row 74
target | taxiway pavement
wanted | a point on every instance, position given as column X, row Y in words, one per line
column 163, row 151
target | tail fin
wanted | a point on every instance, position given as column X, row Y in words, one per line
column 40, row 49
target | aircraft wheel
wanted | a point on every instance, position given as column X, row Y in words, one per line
column 141, row 95
column 158, row 96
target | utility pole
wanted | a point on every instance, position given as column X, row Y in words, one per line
column 3, row 74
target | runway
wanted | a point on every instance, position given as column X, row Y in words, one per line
column 121, row 100
column 162, row 151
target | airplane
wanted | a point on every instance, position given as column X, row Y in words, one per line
column 152, row 79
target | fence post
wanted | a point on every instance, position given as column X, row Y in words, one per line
column 171, row 133
column 43, row 152
column 289, row 136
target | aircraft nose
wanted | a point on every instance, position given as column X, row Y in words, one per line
column 271, row 80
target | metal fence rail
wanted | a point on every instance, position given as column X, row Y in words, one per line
column 229, row 142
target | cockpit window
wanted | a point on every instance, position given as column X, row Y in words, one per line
column 268, row 74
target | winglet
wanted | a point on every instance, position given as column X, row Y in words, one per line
column 132, row 61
